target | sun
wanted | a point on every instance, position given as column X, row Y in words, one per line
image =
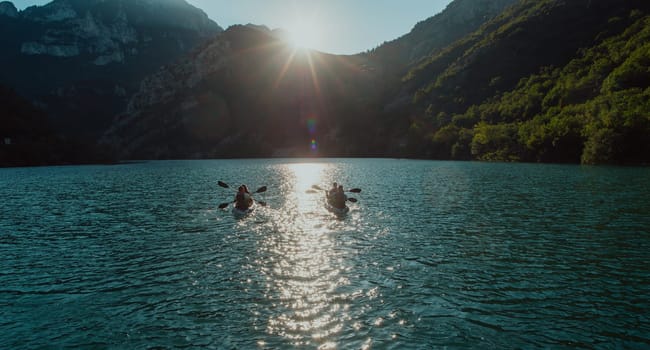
column 304, row 34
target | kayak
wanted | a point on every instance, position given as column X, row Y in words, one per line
column 338, row 211
column 241, row 213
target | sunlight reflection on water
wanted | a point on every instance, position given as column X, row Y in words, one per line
column 305, row 267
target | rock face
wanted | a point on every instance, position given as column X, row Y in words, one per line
column 110, row 30
column 71, row 56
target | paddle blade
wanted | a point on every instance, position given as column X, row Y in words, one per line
column 223, row 205
column 355, row 190
column 310, row 191
column 353, row 200
column 316, row 187
column 223, row 184
column 262, row 203
column 261, row 189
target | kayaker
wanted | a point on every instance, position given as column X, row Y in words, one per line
column 243, row 199
column 340, row 198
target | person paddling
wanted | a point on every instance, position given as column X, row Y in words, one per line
column 339, row 198
column 243, row 199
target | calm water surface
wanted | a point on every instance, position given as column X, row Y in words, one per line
column 434, row 255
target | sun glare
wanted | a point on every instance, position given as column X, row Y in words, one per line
column 305, row 35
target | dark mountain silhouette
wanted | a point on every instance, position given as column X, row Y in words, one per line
column 527, row 80
column 27, row 138
column 249, row 94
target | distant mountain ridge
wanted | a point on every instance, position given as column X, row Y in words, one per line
column 504, row 80
column 81, row 59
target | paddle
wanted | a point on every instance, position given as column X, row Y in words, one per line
column 260, row 190
column 353, row 190
column 353, row 200
column 223, row 184
column 224, row 205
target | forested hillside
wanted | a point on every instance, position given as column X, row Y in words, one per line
column 548, row 81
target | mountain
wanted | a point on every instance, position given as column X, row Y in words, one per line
column 80, row 60
column 246, row 93
column 461, row 17
column 519, row 80
column 532, row 85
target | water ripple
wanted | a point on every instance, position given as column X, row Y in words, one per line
column 435, row 254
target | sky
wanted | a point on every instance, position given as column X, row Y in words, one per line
column 333, row 26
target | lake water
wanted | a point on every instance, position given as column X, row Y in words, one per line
column 433, row 255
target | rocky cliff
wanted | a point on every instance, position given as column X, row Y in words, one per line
column 79, row 60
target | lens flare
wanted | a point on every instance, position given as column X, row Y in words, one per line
column 311, row 125
column 314, row 145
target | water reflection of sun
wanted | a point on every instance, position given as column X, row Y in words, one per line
column 306, row 175
column 305, row 269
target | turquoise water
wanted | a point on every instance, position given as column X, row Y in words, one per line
column 433, row 255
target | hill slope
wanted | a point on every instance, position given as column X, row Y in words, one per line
column 509, row 71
